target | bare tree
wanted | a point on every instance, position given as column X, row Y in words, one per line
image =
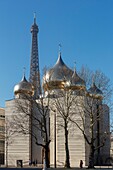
column 86, row 111
column 8, row 135
column 63, row 104
column 101, row 81
column 91, row 122
column 37, row 114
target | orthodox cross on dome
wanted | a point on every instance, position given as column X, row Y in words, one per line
column 24, row 70
column 74, row 66
column 60, row 47
column 23, row 77
column 93, row 79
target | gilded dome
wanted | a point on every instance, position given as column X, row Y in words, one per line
column 93, row 90
column 76, row 81
column 58, row 75
column 61, row 75
column 24, row 87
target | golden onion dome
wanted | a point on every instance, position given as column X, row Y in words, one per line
column 94, row 91
column 24, row 88
column 58, row 77
column 77, row 82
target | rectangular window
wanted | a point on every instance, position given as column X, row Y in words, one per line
column 2, row 128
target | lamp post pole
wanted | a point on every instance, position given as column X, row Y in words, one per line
column 0, row 157
column 55, row 140
column 98, row 132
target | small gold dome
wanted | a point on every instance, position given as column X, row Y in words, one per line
column 24, row 88
column 77, row 82
column 94, row 91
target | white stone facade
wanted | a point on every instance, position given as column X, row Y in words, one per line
column 17, row 146
column 78, row 147
column 23, row 147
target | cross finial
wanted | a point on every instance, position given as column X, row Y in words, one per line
column 74, row 65
column 24, row 69
column 60, row 47
column 93, row 79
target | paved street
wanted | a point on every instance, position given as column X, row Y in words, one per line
column 31, row 168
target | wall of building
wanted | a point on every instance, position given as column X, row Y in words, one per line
column 2, row 133
column 17, row 145
column 75, row 139
column 36, row 136
column 23, row 147
column 78, row 147
column 105, row 131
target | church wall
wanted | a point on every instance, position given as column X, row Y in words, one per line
column 36, row 152
column 22, row 147
column 52, row 137
column 39, row 114
column 36, row 149
column 17, row 146
column 18, row 149
column 78, row 148
column 76, row 141
column 101, row 133
column 105, row 124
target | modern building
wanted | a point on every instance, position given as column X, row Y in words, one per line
column 111, row 148
column 58, row 82
column 2, row 135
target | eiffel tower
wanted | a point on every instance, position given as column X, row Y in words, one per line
column 34, row 63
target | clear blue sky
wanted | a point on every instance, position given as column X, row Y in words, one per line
column 83, row 27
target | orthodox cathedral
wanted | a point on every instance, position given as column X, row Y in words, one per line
column 58, row 81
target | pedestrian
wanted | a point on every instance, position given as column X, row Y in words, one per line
column 36, row 162
column 81, row 164
column 30, row 162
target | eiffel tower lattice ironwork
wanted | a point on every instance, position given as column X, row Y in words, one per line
column 34, row 65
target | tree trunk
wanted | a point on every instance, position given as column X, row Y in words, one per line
column 91, row 157
column 47, row 156
column 6, row 153
column 67, row 162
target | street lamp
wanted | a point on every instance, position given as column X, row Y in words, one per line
column 54, row 139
